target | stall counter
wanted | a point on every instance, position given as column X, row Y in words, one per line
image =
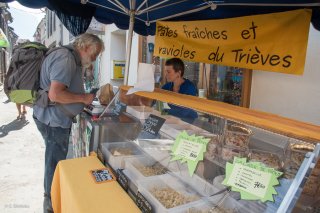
column 74, row 189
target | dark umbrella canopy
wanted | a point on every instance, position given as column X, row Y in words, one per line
column 76, row 15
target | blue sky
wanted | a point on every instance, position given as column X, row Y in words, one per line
column 25, row 20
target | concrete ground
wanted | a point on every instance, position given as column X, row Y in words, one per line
column 21, row 161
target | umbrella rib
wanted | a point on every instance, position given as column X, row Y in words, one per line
column 121, row 7
column 109, row 8
column 167, row 5
column 130, row 4
column 153, row 6
column 269, row 4
column 141, row 5
column 182, row 13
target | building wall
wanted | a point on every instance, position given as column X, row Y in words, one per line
column 56, row 33
column 115, row 49
column 5, row 53
column 292, row 96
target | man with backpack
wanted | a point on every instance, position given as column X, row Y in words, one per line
column 62, row 82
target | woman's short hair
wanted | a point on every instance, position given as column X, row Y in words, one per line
column 88, row 39
column 177, row 65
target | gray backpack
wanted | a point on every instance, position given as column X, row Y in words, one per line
column 22, row 79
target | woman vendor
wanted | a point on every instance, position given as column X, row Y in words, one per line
column 174, row 69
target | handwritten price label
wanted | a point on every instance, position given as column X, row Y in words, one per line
column 189, row 149
column 253, row 180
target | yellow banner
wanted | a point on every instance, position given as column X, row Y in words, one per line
column 272, row 42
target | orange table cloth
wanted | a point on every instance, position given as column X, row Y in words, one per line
column 75, row 191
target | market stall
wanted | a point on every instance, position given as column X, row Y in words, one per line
column 170, row 165
column 158, row 167
column 148, row 169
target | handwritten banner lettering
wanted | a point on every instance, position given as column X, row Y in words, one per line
column 273, row 42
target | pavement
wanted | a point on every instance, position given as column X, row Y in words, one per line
column 21, row 161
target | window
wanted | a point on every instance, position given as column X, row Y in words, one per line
column 225, row 84
column 54, row 22
column 50, row 23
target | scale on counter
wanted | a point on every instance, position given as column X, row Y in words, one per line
column 95, row 109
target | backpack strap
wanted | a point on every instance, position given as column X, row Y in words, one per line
column 71, row 50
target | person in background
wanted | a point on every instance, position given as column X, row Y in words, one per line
column 174, row 70
column 61, row 72
column 21, row 108
column 21, row 111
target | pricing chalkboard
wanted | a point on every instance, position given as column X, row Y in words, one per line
column 153, row 124
column 102, row 175
column 143, row 204
column 122, row 179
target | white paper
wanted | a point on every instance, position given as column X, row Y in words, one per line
column 145, row 80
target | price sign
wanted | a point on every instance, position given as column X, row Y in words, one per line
column 143, row 204
column 249, row 180
column 153, row 124
column 189, row 149
column 102, row 175
column 253, row 180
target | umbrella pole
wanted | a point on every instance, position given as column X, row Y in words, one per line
column 129, row 45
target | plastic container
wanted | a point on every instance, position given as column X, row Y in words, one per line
column 135, row 169
column 299, row 150
column 141, row 112
column 229, row 152
column 173, row 130
column 171, row 119
column 199, row 184
column 144, row 167
column 132, row 182
column 237, row 136
column 212, row 152
column 218, row 204
column 168, row 194
column 269, row 159
column 311, row 186
column 115, row 153
column 156, row 144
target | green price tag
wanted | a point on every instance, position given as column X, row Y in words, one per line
column 253, row 180
column 189, row 149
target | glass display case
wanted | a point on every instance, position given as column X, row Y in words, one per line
column 145, row 167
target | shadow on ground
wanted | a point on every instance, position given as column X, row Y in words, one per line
column 12, row 126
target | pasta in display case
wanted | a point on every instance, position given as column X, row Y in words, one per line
column 178, row 165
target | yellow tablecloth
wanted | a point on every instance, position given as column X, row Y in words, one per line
column 75, row 191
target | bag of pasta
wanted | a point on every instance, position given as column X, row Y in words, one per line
column 106, row 94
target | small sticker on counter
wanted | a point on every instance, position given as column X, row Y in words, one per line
column 143, row 204
column 102, row 175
